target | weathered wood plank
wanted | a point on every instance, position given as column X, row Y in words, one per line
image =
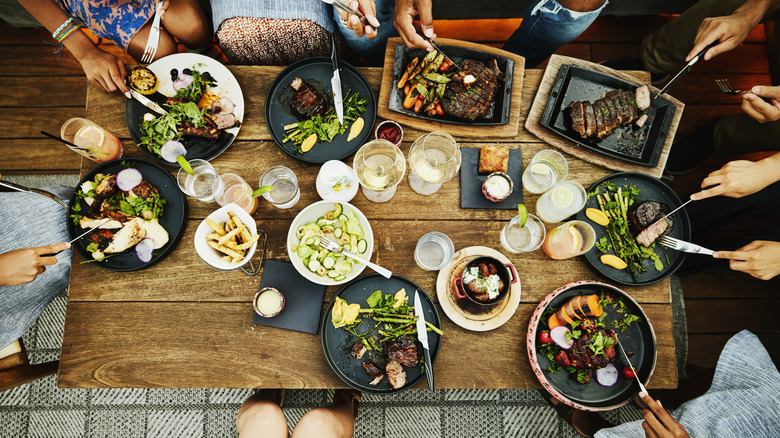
column 704, row 349
column 28, row 122
column 728, row 285
column 28, row 92
column 38, row 154
column 732, row 315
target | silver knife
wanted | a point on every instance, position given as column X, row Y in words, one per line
column 335, row 82
column 422, row 336
column 673, row 212
column 147, row 102
column 687, row 68
column 636, row 374
column 77, row 238
column 439, row 49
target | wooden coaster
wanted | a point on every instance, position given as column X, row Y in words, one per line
column 465, row 313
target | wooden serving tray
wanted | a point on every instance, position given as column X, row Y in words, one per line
column 509, row 130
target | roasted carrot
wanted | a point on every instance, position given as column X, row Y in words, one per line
column 418, row 105
column 439, row 110
column 410, row 99
column 408, row 72
column 408, row 87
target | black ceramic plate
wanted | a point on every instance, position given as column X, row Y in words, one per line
column 318, row 71
column 640, row 146
column 337, row 343
column 651, row 189
column 471, row 180
column 227, row 86
column 499, row 113
column 174, row 214
column 638, row 338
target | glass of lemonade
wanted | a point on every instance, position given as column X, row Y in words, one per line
column 529, row 237
column 563, row 200
column 91, row 140
column 570, row 239
column 198, row 185
column 230, row 188
column 546, row 169
column 434, row 159
column 379, row 166
column 286, row 192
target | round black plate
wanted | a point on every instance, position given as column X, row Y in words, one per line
column 337, row 343
column 651, row 189
column 318, row 71
column 638, row 338
column 174, row 214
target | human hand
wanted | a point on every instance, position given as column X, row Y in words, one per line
column 760, row 258
column 658, row 423
column 23, row 265
column 760, row 109
column 405, row 11
column 105, row 71
column 368, row 9
column 731, row 31
column 734, row 180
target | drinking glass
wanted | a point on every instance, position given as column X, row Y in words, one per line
column 286, row 192
column 379, row 166
column 198, row 185
column 231, row 188
column 529, row 237
column 563, row 200
column 91, row 140
column 434, row 251
column 434, row 159
column 546, row 169
column 570, row 239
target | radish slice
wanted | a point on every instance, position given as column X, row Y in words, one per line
column 561, row 335
column 171, row 150
column 128, row 179
column 144, row 250
column 607, row 376
column 182, row 81
column 225, row 121
column 223, row 105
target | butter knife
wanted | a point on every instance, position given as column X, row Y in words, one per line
column 335, row 82
column 145, row 101
column 422, row 336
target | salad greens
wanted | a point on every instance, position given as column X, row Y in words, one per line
column 326, row 126
column 158, row 131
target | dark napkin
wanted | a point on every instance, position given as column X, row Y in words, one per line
column 471, row 181
column 302, row 298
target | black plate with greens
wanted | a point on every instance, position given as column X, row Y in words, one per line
column 172, row 219
column 318, row 72
column 649, row 189
column 337, row 343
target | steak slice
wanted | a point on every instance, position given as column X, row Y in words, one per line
column 590, row 120
column 598, row 108
column 577, row 113
column 404, row 351
column 306, row 102
column 396, row 375
column 471, row 100
column 612, row 115
column 373, row 371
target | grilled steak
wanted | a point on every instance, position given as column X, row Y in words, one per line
column 396, row 376
column 404, row 351
column 471, row 92
column 306, row 102
column 374, row 371
column 358, row 350
column 577, row 113
column 582, row 356
column 614, row 109
column 642, row 221
column 208, row 130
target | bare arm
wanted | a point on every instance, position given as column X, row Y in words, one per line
column 405, row 11
column 740, row 178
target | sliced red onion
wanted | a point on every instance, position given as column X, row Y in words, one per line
column 225, row 121
column 182, row 81
column 171, row 150
column 561, row 335
column 144, row 250
column 607, row 376
column 128, row 179
column 223, row 105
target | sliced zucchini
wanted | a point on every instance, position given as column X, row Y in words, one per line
column 324, row 253
column 314, row 264
column 310, row 241
column 347, row 247
column 343, row 218
column 339, row 209
column 362, row 246
column 353, row 240
column 333, row 274
column 300, row 231
column 328, row 262
column 315, row 255
column 340, row 277
column 337, row 232
column 321, row 222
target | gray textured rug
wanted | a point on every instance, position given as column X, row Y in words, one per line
column 41, row 409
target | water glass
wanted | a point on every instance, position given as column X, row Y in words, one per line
column 563, row 200
column 91, row 140
column 286, row 192
column 198, row 185
column 529, row 237
column 434, row 251
column 570, row 239
column 379, row 166
column 230, row 188
column 434, row 159
column 546, row 169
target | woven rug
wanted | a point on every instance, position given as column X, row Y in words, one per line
column 41, row 409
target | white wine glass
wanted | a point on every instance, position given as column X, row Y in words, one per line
column 434, row 159
column 379, row 166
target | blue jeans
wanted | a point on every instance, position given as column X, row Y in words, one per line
column 372, row 49
column 546, row 27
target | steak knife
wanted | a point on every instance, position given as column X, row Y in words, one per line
column 636, row 374
column 687, row 68
column 145, row 101
column 52, row 254
column 422, row 336
column 335, row 82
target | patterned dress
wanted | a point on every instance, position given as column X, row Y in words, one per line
column 116, row 20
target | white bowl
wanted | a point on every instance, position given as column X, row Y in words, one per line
column 211, row 256
column 311, row 214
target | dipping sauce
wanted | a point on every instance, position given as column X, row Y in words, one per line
column 390, row 131
column 497, row 186
column 268, row 302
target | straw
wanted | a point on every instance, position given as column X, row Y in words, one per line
column 71, row 145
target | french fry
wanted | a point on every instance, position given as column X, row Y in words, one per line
column 215, row 226
column 226, row 250
column 231, row 238
column 230, row 235
column 213, row 236
column 248, row 244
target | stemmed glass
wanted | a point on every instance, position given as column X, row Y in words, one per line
column 434, row 159
column 379, row 166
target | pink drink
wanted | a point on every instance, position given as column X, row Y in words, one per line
column 238, row 195
column 93, row 142
column 569, row 240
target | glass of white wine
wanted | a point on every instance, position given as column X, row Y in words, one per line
column 434, row 159
column 379, row 166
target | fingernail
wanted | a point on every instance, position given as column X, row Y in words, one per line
column 642, row 394
column 756, row 89
column 659, row 403
column 716, row 255
column 429, row 32
column 128, row 95
column 67, row 245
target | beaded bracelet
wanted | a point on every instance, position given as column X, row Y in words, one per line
column 62, row 26
column 62, row 37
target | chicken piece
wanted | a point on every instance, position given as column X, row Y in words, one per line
column 358, row 350
column 143, row 190
column 156, row 232
column 306, row 102
column 404, row 351
column 396, row 375
column 106, row 187
column 373, row 371
column 127, row 237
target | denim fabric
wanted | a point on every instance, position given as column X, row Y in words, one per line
column 28, row 221
column 372, row 49
column 547, row 26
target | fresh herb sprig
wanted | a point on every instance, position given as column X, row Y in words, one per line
column 326, row 126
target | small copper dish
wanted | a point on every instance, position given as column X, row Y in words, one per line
column 495, row 189
column 265, row 303
column 390, row 131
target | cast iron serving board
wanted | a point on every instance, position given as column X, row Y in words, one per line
column 641, row 146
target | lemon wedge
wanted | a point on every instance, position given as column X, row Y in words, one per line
column 562, row 196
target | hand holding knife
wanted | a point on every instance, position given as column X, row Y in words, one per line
column 687, row 68
column 78, row 237
column 422, row 336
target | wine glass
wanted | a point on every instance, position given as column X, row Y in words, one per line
column 379, row 166
column 434, row 159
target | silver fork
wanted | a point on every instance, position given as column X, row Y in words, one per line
column 334, row 247
column 154, row 37
column 21, row 188
column 726, row 87
column 681, row 245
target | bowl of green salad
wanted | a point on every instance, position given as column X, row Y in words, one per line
column 339, row 222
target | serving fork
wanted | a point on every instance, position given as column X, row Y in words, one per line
column 154, row 37
column 681, row 245
column 334, row 247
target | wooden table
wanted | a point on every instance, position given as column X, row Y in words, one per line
column 182, row 324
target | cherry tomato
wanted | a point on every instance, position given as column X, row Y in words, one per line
column 628, row 372
column 544, row 337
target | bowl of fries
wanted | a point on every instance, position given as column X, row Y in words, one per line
column 227, row 239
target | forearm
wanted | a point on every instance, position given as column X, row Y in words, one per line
column 51, row 16
column 755, row 10
column 771, row 168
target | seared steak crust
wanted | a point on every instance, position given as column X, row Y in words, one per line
column 472, row 100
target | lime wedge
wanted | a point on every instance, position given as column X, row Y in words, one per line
column 184, row 164
column 261, row 190
column 523, row 213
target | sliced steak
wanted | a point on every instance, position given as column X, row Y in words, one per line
column 471, row 100
column 598, row 108
column 591, row 126
column 373, row 371
column 577, row 113
column 404, row 351
column 615, row 108
column 396, row 376
column 306, row 102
